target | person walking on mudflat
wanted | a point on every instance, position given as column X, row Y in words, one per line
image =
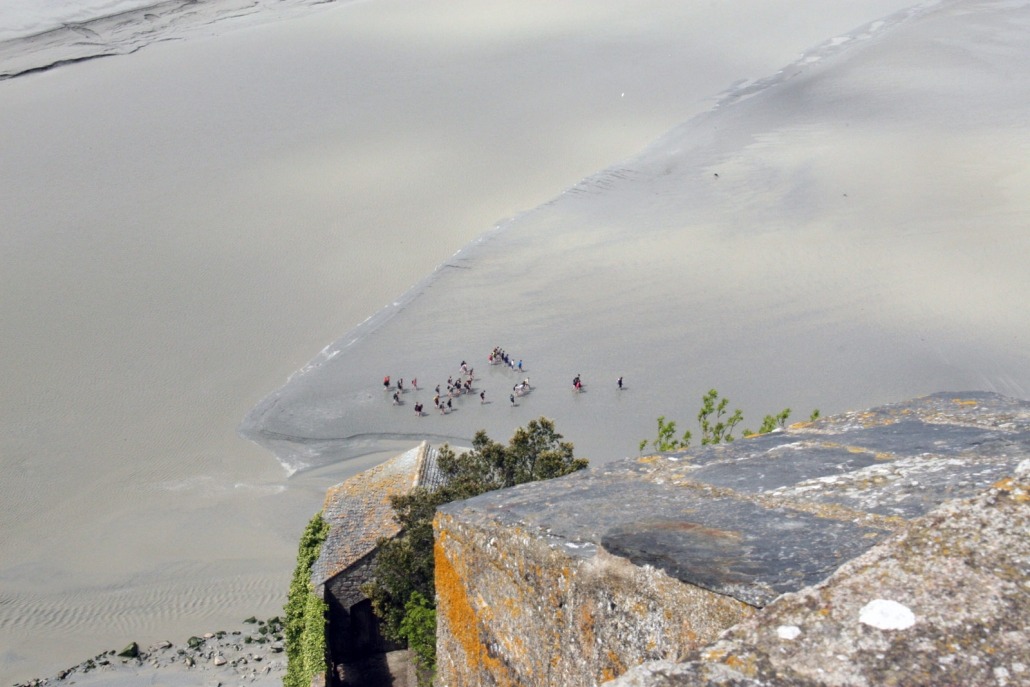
column 620, row 383
column 482, row 396
column 512, row 399
column 386, row 383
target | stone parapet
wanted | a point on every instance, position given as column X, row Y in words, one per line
column 575, row 580
column 517, row 609
column 944, row 603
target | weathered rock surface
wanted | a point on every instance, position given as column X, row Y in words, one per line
column 575, row 580
column 944, row 603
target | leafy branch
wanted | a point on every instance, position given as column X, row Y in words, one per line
column 717, row 425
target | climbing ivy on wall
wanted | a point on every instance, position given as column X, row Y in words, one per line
column 305, row 612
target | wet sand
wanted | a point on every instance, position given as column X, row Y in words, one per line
column 845, row 233
column 187, row 226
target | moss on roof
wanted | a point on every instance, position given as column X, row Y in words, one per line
column 359, row 513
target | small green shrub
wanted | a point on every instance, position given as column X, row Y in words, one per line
column 717, row 426
column 666, row 439
column 418, row 627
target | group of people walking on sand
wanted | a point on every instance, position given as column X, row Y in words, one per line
column 400, row 388
column 463, row 384
column 456, row 386
column 499, row 357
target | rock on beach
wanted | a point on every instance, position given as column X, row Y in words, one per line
column 252, row 654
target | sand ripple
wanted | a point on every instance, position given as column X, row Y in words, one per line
column 88, row 621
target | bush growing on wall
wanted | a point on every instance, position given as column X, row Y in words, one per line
column 716, row 426
column 402, row 591
column 419, row 629
column 305, row 612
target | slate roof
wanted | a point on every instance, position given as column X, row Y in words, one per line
column 358, row 509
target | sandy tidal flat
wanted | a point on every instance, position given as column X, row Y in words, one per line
column 849, row 231
column 837, row 220
column 185, row 226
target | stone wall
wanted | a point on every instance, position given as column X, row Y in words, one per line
column 352, row 630
column 514, row 610
column 945, row 603
column 576, row 580
column 345, row 588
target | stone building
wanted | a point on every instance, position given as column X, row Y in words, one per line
column 887, row 546
column 359, row 515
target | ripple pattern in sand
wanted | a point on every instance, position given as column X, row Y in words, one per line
column 82, row 622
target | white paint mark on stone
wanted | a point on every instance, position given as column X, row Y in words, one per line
column 789, row 632
column 885, row 614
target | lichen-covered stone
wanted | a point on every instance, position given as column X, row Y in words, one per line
column 575, row 580
column 513, row 609
column 954, row 590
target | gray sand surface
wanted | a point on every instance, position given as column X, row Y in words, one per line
column 847, row 232
column 186, row 226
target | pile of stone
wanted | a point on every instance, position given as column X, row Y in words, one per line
column 253, row 653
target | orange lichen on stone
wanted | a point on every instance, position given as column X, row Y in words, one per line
column 614, row 667
column 461, row 618
column 713, row 655
column 585, row 621
column 513, row 607
column 452, row 599
column 1017, row 491
column 743, row 665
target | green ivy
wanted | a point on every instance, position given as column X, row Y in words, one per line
column 304, row 629
column 418, row 627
